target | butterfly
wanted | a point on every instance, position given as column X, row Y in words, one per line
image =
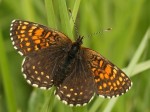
column 77, row 72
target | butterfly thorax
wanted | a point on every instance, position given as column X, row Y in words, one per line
column 63, row 70
column 75, row 48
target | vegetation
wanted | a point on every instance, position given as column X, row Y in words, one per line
column 126, row 45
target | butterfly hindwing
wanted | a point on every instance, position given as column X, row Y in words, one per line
column 78, row 88
column 39, row 68
column 110, row 81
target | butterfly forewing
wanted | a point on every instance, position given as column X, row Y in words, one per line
column 28, row 37
column 110, row 81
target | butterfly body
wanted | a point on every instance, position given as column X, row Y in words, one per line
column 75, row 48
column 51, row 58
column 64, row 70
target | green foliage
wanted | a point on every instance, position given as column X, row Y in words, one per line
column 126, row 45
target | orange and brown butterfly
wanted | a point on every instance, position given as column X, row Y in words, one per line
column 51, row 58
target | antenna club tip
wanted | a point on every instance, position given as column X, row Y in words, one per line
column 69, row 10
column 108, row 29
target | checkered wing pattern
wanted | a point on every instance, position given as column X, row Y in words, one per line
column 110, row 81
column 39, row 69
column 28, row 37
column 78, row 88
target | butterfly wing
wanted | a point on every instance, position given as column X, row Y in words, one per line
column 78, row 88
column 110, row 81
column 43, row 49
column 28, row 37
column 38, row 69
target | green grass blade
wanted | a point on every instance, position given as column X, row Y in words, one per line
column 28, row 12
column 6, row 78
column 121, row 27
column 110, row 105
column 139, row 52
column 143, row 66
column 63, row 12
column 79, row 109
column 50, row 13
column 96, row 105
column 36, row 100
column 74, row 13
column 49, row 102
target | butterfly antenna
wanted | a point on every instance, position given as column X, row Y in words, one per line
column 100, row 32
column 75, row 26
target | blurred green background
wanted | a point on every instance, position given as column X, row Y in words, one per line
column 127, row 45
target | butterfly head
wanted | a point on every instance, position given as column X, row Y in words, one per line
column 79, row 40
